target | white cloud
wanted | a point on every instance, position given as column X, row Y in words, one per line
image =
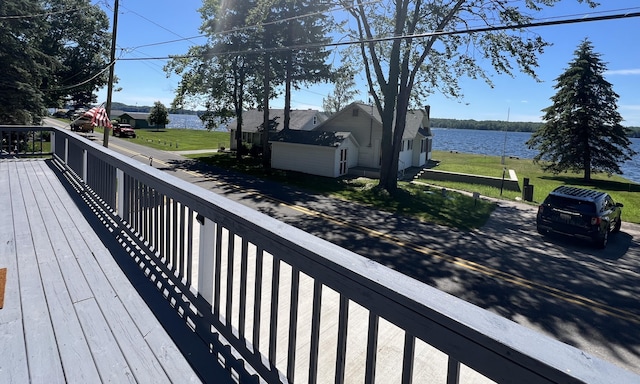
column 635, row 71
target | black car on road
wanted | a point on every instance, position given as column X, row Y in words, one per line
column 579, row 212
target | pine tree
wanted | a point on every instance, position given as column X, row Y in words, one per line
column 24, row 67
column 582, row 131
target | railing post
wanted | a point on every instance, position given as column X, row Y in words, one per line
column 206, row 258
column 453, row 371
column 120, row 192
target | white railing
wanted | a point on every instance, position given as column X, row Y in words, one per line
column 276, row 304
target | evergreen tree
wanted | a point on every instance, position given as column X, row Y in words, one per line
column 582, row 130
column 24, row 67
column 158, row 115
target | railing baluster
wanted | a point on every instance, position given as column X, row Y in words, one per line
column 243, row 289
column 182, row 242
column 407, row 358
column 230, row 268
column 315, row 332
column 218, row 268
column 453, row 371
column 275, row 295
column 145, row 213
column 372, row 347
column 153, row 235
column 189, row 266
column 257, row 303
column 174, row 235
column 293, row 323
column 341, row 353
column 162, row 225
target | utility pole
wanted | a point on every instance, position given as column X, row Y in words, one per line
column 112, row 65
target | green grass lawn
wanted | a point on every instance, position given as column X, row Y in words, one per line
column 621, row 189
column 419, row 201
column 179, row 139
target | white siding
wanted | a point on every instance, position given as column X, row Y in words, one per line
column 405, row 159
column 311, row 159
column 419, row 158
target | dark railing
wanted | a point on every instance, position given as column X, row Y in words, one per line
column 27, row 141
column 277, row 303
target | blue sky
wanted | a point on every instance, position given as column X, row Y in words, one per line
column 143, row 24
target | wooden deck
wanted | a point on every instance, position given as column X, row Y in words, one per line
column 70, row 313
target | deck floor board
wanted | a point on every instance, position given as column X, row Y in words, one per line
column 70, row 313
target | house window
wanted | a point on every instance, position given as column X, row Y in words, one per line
column 409, row 144
column 354, row 112
column 343, row 161
column 315, row 120
column 423, row 145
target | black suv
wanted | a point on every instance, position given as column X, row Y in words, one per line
column 579, row 212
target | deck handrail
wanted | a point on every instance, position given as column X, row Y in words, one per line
column 226, row 265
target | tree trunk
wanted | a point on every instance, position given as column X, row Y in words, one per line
column 287, row 94
column 239, row 102
column 239, row 134
column 266, row 153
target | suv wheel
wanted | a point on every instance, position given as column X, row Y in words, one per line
column 616, row 228
column 601, row 242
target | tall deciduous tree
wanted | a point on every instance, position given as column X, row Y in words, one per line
column 24, row 66
column 301, row 28
column 78, row 36
column 50, row 51
column 225, row 73
column 158, row 115
column 582, row 131
column 425, row 56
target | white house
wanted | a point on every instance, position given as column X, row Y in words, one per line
column 322, row 153
column 252, row 121
column 359, row 127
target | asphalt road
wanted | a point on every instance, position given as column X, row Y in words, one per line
column 564, row 288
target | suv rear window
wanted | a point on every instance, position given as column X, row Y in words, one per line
column 583, row 207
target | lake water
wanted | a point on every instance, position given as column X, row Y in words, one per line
column 188, row 122
column 185, row 121
column 493, row 143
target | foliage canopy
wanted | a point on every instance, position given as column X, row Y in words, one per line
column 51, row 51
column 158, row 115
column 417, row 62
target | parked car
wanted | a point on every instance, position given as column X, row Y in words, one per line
column 125, row 130
column 579, row 212
column 82, row 124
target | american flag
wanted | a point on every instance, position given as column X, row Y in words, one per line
column 99, row 117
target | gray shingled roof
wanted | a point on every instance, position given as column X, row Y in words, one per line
column 300, row 118
column 321, row 138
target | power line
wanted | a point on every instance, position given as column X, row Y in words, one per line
column 405, row 37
